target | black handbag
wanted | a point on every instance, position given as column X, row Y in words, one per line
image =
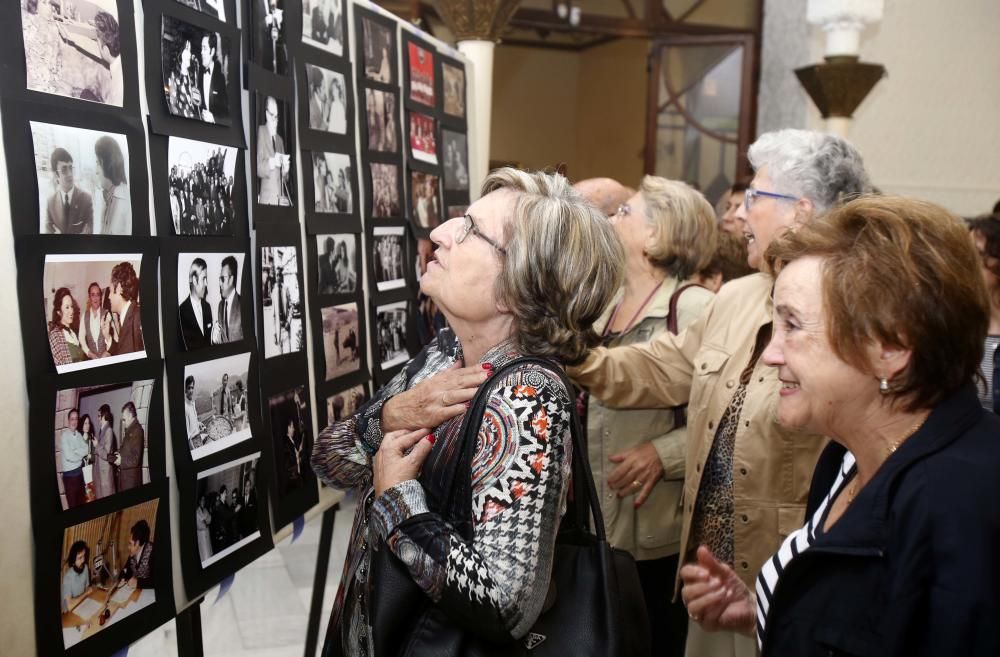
column 594, row 607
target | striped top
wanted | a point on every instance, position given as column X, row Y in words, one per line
column 986, row 391
column 797, row 542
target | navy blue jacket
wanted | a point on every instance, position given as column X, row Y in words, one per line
column 912, row 568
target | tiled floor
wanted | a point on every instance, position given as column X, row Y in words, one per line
column 266, row 611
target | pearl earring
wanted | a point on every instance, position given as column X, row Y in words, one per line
column 883, row 385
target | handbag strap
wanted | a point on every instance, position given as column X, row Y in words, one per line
column 674, row 298
column 585, row 491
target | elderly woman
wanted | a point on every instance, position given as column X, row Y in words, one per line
column 746, row 477
column 113, row 182
column 880, row 314
column 637, row 456
column 63, row 338
column 527, row 271
column 986, row 236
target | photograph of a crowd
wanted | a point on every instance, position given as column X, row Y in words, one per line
column 423, row 142
column 226, row 517
column 388, row 247
column 216, row 405
column 73, row 48
column 101, row 440
column 390, row 334
column 284, row 332
column 82, row 181
column 202, row 178
column 195, row 64
column 108, row 327
column 209, row 304
column 106, row 570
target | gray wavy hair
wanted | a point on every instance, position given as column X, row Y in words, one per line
column 823, row 168
column 562, row 266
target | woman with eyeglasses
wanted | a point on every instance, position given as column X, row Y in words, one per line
column 527, row 271
column 746, row 477
column 986, row 237
column 637, row 456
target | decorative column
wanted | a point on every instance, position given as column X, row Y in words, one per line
column 840, row 84
column 477, row 25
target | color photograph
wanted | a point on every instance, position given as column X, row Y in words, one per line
column 215, row 404
column 423, row 142
column 421, row 64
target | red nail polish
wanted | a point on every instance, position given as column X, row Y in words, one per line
column 431, row 438
column 488, row 367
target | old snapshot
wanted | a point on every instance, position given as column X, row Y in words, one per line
column 421, row 64
column 423, row 142
column 327, row 100
column 379, row 51
column 323, row 25
column 336, row 266
column 209, row 304
column 110, row 330
column 269, row 26
column 213, row 8
column 73, row 49
column 332, row 183
column 106, row 571
column 388, row 248
column 291, row 434
column 390, row 334
column 216, row 412
column 202, row 178
column 101, row 440
column 385, row 190
column 82, row 181
column 195, row 65
column 282, row 301
column 425, row 196
column 344, row 404
column 341, row 339
column 380, row 113
column 456, row 160
column 275, row 182
column 454, row 90
column 226, row 518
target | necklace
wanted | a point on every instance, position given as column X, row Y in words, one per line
column 890, row 450
column 635, row 316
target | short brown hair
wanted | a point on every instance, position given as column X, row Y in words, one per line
column 730, row 259
column 562, row 266
column 902, row 272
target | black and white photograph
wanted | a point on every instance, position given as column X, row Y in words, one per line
column 380, row 112
column 101, row 440
column 202, row 178
column 379, row 45
column 209, row 305
column 269, row 45
column 344, row 404
column 341, row 339
column 291, row 432
column 323, row 25
column 82, row 181
column 456, row 159
column 195, row 64
column 429, row 320
column 424, row 193
column 110, row 329
column 385, row 190
column 275, row 182
column 284, row 332
column 215, row 404
column 423, row 142
column 456, row 211
column 332, row 183
column 327, row 100
column 454, row 90
column 388, row 248
column 74, row 49
column 226, row 518
column 106, row 570
column 213, row 8
column 336, row 264
column 390, row 334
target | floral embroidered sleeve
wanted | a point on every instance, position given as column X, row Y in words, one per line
column 495, row 584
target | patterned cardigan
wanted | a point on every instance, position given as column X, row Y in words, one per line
column 520, row 476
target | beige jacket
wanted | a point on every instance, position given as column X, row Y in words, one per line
column 772, row 466
column 652, row 531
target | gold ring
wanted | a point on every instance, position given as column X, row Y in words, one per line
column 637, row 483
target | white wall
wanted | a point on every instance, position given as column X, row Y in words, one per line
column 931, row 129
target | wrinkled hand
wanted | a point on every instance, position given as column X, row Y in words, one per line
column 715, row 597
column 636, row 464
column 400, row 457
column 433, row 401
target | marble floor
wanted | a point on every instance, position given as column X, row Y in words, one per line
column 266, row 611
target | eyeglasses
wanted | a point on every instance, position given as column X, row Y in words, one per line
column 624, row 210
column 752, row 194
column 469, row 226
